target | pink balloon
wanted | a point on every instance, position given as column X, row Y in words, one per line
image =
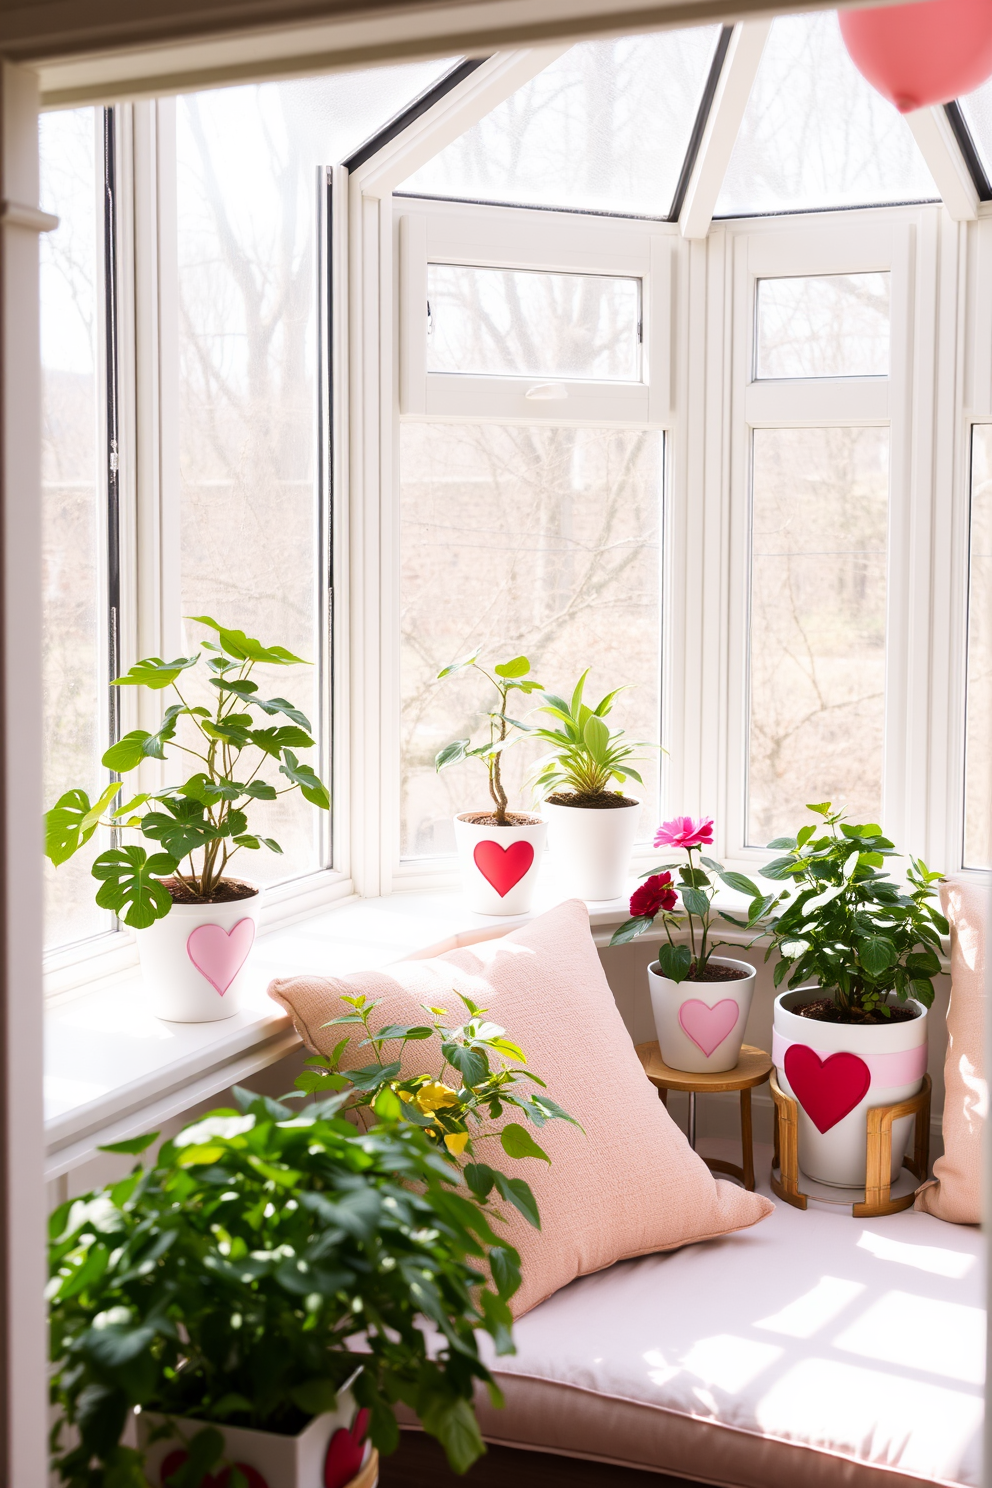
column 917, row 55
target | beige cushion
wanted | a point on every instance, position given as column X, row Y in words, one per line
column 957, row 1193
column 631, row 1184
column 813, row 1351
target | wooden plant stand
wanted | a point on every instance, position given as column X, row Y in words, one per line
column 877, row 1200
column 753, row 1068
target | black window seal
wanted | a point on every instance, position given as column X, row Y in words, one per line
column 968, row 148
column 701, row 120
column 413, row 111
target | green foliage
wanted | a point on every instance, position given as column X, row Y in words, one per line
column 844, row 923
column 229, row 1279
column 454, row 1115
column 204, row 820
column 587, row 756
column 504, row 732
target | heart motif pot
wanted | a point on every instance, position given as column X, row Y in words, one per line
column 193, row 962
column 836, row 1072
column 330, row 1452
column 500, row 864
column 700, row 1025
column 590, row 848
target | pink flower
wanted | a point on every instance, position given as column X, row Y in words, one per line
column 653, row 895
column 685, row 831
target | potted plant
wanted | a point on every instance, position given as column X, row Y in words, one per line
column 591, row 822
column 500, row 849
column 700, row 1001
column 196, row 924
column 231, row 1289
column 860, row 953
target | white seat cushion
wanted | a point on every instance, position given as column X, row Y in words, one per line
column 726, row 1362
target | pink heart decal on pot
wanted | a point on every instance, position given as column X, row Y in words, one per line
column 827, row 1089
column 219, row 954
column 708, row 1026
column 503, row 867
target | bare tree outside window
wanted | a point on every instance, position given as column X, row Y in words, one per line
column 817, row 641
column 530, row 539
column 73, row 496
column 978, row 776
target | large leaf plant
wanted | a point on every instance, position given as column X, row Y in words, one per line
column 243, row 1274
column 194, row 829
column 587, row 756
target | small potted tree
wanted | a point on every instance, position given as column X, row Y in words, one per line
column 700, row 1001
column 230, row 1291
column 500, row 849
column 591, row 821
column 860, row 954
column 196, row 923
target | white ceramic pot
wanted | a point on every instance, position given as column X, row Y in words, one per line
column 700, row 1025
column 193, row 961
column 499, row 864
column 836, row 1071
column 326, row 1442
column 591, row 847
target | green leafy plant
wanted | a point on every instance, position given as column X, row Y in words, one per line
column 204, row 821
column 507, row 677
column 847, row 925
column 696, row 888
column 229, row 1279
column 452, row 1114
column 587, row 755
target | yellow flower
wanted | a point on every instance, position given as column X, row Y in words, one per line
column 434, row 1095
column 455, row 1142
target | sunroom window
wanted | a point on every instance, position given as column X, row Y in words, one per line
column 978, row 776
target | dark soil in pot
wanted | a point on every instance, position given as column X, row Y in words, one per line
column 718, row 974
column 602, row 801
column 226, row 892
column 825, row 1010
column 488, row 819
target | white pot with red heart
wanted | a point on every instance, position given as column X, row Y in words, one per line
column 836, row 1072
column 499, row 864
column 700, row 1024
column 331, row 1451
column 193, row 960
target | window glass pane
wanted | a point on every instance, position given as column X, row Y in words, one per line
column 73, row 495
column 515, row 322
column 604, row 128
column 831, row 326
column 248, row 190
column 543, row 541
column 820, row 499
column 816, row 134
column 978, row 795
column 977, row 110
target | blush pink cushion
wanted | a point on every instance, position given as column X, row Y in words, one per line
column 956, row 1195
column 631, row 1184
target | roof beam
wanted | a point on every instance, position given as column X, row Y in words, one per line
column 729, row 103
column 942, row 153
column 459, row 108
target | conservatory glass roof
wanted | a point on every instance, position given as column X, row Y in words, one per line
column 619, row 126
column 605, row 128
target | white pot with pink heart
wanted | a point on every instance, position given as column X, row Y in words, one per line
column 194, row 959
column 700, row 1024
column 836, row 1072
column 500, row 864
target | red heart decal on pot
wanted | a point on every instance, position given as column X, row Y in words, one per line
column 503, row 866
column 345, row 1451
column 827, row 1089
column 708, row 1026
column 219, row 954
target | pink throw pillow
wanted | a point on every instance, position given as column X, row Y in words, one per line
column 631, row 1184
column 957, row 1193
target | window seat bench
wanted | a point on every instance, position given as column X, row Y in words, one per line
column 814, row 1349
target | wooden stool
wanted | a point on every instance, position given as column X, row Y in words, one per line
column 878, row 1155
column 753, row 1068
